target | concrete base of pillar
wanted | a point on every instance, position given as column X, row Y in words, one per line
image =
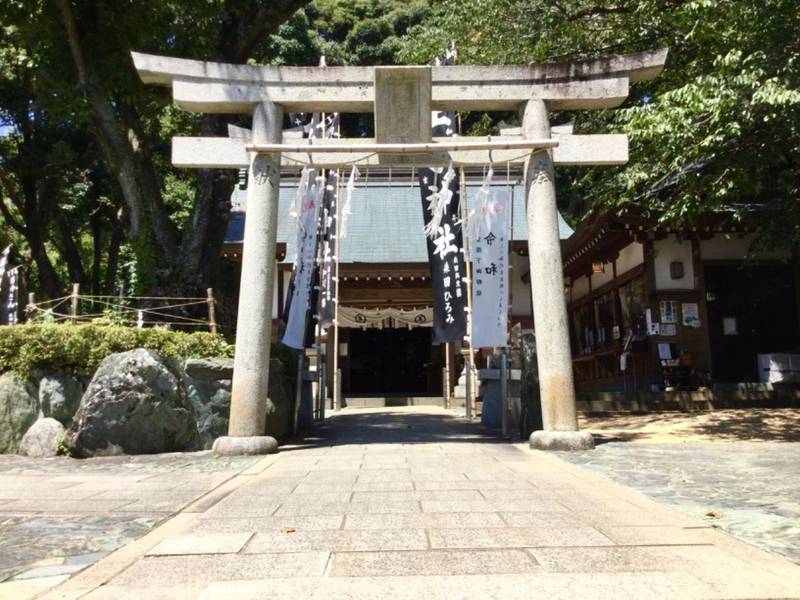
column 237, row 446
column 571, row 441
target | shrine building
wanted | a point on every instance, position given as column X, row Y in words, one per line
column 385, row 343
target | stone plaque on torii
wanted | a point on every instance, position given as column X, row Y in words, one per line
column 402, row 99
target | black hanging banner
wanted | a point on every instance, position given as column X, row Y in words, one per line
column 440, row 210
column 330, row 246
column 445, row 254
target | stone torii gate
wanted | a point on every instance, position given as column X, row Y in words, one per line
column 402, row 99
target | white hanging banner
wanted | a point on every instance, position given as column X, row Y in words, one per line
column 489, row 245
column 3, row 263
column 12, row 302
column 303, row 270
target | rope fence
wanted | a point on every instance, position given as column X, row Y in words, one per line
column 138, row 311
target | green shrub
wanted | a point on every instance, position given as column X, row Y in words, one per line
column 80, row 348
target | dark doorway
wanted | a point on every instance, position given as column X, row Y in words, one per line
column 751, row 310
column 390, row 361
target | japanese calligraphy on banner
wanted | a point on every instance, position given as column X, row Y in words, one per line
column 440, row 210
column 303, row 269
column 489, row 250
column 446, row 258
column 329, row 247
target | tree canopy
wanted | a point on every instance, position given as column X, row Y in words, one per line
column 89, row 195
column 718, row 130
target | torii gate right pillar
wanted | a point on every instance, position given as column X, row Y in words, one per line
column 553, row 354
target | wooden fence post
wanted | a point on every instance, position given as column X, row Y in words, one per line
column 212, row 314
column 31, row 308
column 73, row 308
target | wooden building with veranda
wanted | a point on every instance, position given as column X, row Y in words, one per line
column 655, row 308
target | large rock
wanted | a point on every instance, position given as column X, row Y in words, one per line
column 59, row 396
column 208, row 386
column 209, row 369
column 18, row 411
column 212, row 406
column 42, row 438
column 136, row 403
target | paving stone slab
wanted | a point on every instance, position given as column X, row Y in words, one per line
column 155, row 570
column 654, row 535
column 367, row 476
column 267, row 524
column 341, row 508
column 172, row 592
column 205, row 543
column 627, row 559
column 436, row 475
column 422, row 521
column 238, row 507
column 338, row 540
column 491, row 506
column 464, row 484
column 441, row 495
column 521, row 537
column 560, row 519
column 553, row 586
column 440, row 562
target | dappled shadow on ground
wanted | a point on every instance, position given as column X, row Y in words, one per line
column 396, row 426
column 765, row 425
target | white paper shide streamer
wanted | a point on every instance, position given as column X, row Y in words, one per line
column 347, row 209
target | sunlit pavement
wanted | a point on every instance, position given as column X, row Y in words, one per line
column 402, row 503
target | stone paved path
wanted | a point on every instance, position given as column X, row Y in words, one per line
column 420, row 504
column 59, row 515
column 751, row 490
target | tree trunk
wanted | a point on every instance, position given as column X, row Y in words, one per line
column 151, row 232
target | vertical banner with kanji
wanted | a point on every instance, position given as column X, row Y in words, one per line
column 489, row 250
column 445, row 253
column 303, row 270
column 328, row 250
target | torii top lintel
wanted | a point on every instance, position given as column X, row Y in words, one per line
column 227, row 88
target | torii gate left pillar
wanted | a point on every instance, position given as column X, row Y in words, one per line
column 248, row 417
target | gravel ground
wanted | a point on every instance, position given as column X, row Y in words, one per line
column 749, row 489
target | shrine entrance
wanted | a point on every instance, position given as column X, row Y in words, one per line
column 402, row 100
column 392, row 363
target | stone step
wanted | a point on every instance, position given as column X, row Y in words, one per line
column 384, row 401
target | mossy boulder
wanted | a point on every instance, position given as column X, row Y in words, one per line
column 136, row 403
column 18, row 410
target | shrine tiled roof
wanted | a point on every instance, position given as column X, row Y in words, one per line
column 386, row 224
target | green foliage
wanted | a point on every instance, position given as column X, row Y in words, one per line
column 364, row 32
column 719, row 129
column 80, row 348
